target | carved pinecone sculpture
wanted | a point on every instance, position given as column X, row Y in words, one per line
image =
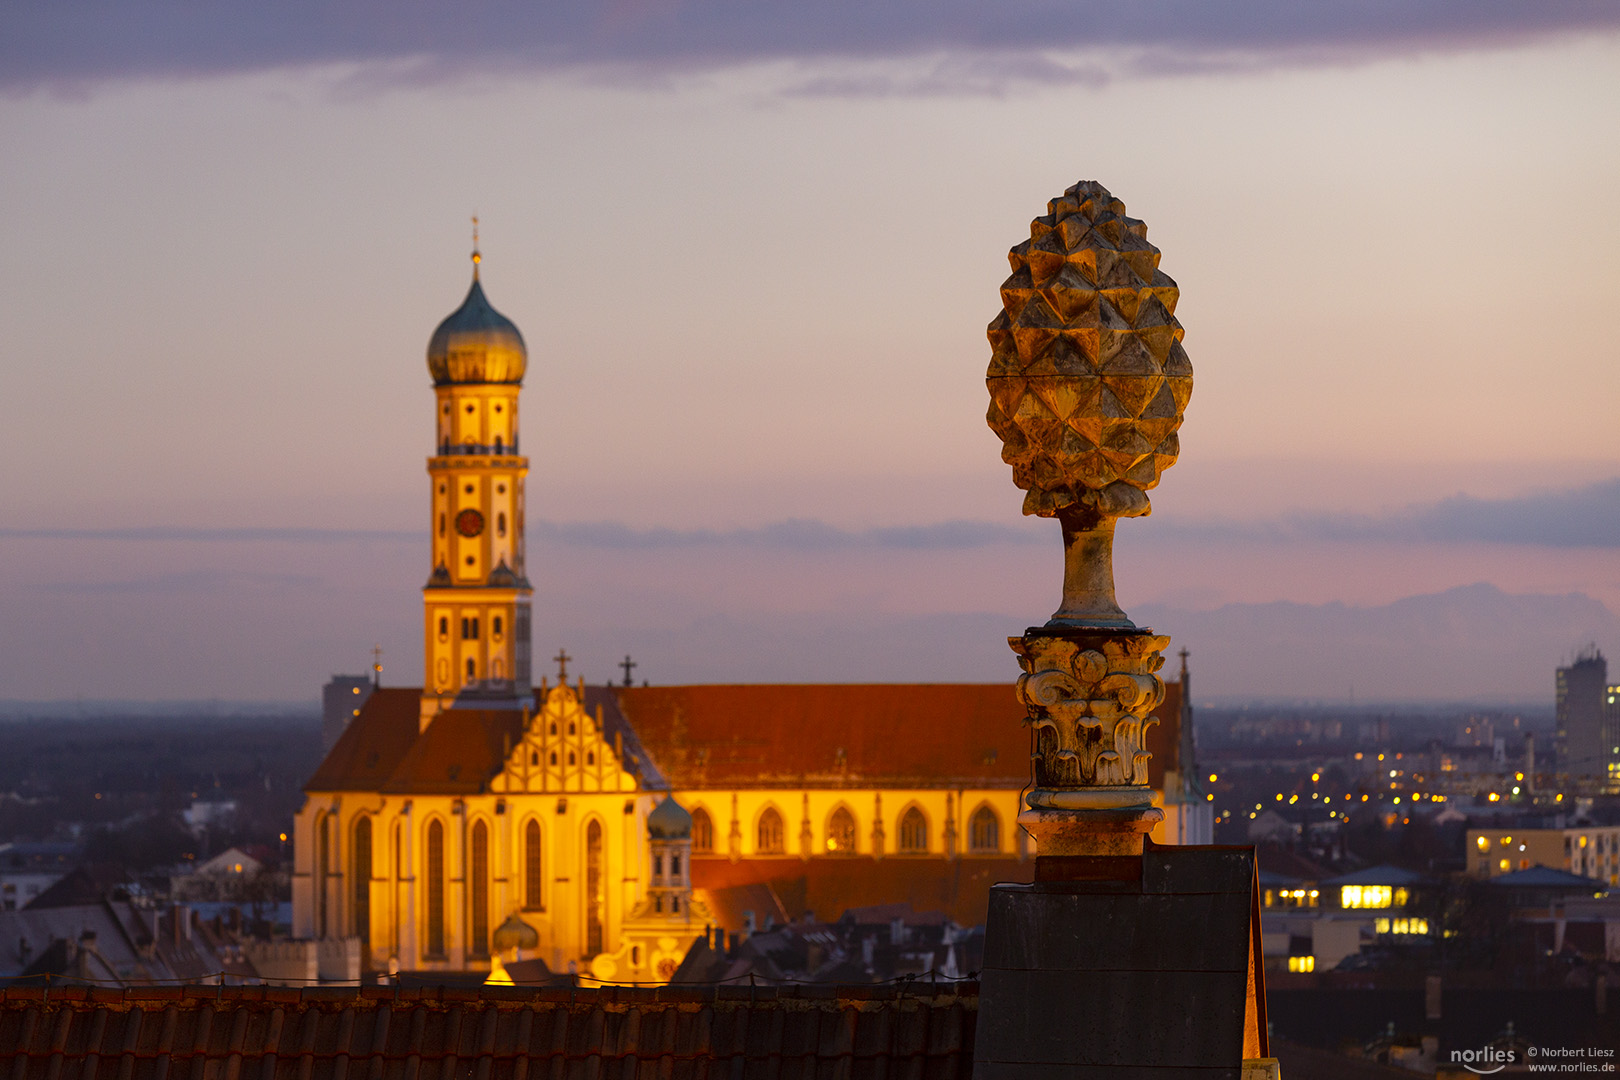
column 1088, row 379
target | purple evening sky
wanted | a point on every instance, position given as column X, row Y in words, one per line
column 753, row 249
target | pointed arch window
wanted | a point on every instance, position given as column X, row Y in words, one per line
column 771, row 834
column 323, row 855
column 361, row 857
column 984, row 830
column 533, row 868
column 702, row 831
column 593, row 888
column 913, row 832
column 435, row 889
column 841, row 832
column 478, row 899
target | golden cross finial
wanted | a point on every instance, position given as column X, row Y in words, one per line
column 562, row 659
column 476, row 257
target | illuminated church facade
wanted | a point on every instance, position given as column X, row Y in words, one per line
column 600, row 828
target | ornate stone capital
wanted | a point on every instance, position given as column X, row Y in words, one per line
column 1089, row 699
column 1089, row 696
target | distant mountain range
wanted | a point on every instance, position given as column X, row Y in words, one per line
column 1473, row 643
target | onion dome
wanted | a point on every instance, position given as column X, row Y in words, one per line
column 514, row 933
column 669, row 821
column 476, row 344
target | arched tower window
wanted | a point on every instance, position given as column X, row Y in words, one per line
column 593, row 888
column 984, row 830
column 435, row 889
column 533, row 868
column 478, row 897
column 913, row 832
column 500, row 524
column 472, row 669
column 702, row 831
column 500, row 445
column 841, row 832
column 771, row 834
column 360, row 856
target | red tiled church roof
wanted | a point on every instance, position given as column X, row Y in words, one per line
column 838, row 735
column 495, row 1033
column 893, row 735
column 373, row 744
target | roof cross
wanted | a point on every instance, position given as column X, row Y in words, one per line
column 376, row 665
column 476, row 257
column 562, row 659
column 628, row 665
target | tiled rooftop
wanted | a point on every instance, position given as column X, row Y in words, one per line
column 910, row 1032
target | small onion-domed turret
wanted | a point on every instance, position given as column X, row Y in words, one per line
column 514, row 933
column 669, row 821
column 476, row 344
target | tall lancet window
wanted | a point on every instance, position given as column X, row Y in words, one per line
column 771, row 833
column 533, row 868
column 984, row 830
column 913, row 831
column 841, row 832
column 361, row 878
column 702, row 831
column 593, row 888
column 479, row 892
column 323, row 855
column 435, row 889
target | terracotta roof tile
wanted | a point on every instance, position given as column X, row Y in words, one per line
column 373, row 744
column 460, row 752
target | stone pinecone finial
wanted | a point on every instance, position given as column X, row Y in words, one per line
column 1088, row 380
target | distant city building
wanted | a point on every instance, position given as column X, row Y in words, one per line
column 1592, row 851
column 1587, row 745
column 341, row 701
column 227, row 876
column 117, row 943
column 28, row 869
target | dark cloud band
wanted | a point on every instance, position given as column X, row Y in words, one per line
column 1580, row 517
column 48, row 42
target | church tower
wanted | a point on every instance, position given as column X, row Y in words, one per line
column 476, row 602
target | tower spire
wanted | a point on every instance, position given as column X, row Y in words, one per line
column 476, row 257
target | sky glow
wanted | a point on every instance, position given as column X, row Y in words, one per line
column 754, row 291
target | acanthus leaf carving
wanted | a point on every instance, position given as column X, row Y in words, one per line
column 1089, row 701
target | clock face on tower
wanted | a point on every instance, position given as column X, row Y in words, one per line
column 469, row 523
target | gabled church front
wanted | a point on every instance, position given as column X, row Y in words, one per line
column 480, row 819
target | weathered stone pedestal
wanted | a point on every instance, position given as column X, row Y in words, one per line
column 1123, row 977
column 1123, row 959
